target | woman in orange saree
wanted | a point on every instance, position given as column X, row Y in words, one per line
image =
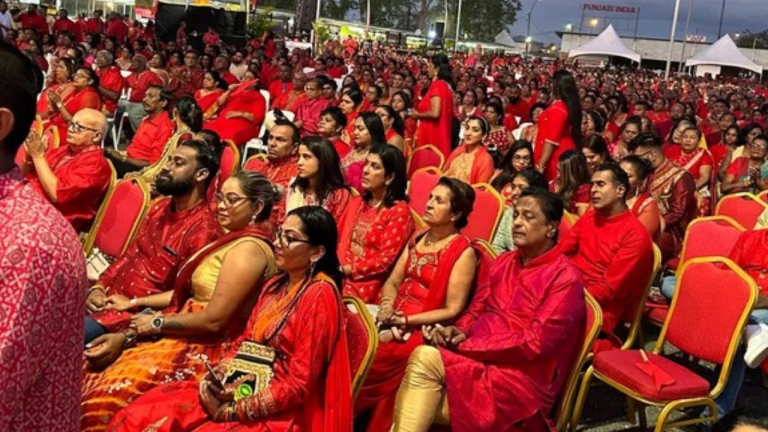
column 206, row 97
column 241, row 112
column 430, row 284
column 376, row 226
column 298, row 320
column 212, row 299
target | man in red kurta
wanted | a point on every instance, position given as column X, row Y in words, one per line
column 673, row 188
column 308, row 109
column 110, row 80
column 153, row 133
column 34, row 20
column 503, row 364
column 141, row 79
column 74, row 177
column 190, row 76
column 43, row 280
column 613, row 252
column 64, row 24
column 281, row 86
column 175, row 229
column 95, row 25
column 117, row 28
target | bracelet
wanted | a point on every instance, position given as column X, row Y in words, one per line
column 407, row 323
column 95, row 288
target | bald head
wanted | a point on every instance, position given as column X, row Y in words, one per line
column 87, row 127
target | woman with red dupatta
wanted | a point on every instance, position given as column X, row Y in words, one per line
column 430, row 285
column 698, row 162
column 206, row 97
column 299, row 319
column 242, row 109
column 213, row 296
column 64, row 71
column 471, row 162
column 639, row 201
column 434, row 111
column 85, row 94
column 375, row 226
column 559, row 125
column 504, row 363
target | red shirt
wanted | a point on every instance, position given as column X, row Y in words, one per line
column 150, row 139
column 190, row 81
column 41, row 327
column 117, row 29
column 93, row 25
column 519, row 109
column 140, row 83
column 277, row 89
column 34, row 21
column 751, row 254
column 82, row 179
column 166, row 240
column 110, row 79
column 210, row 38
column 280, row 172
column 308, row 111
column 67, row 25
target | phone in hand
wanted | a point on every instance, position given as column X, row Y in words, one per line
column 216, row 378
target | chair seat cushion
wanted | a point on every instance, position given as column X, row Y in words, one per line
column 673, row 263
column 656, row 313
column 621, row 367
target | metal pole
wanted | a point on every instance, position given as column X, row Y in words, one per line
column 368, row 16
column 458, row 26
column 672, row 39
column 685, row 35
column 581, row 26
column 720, row 26
column 528, row 31
column 634, row 38
column 754, row 46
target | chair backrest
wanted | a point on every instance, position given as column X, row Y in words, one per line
column 54, row 140
column 88, row 242
column 265, row 95
column 710, row 236
column 230, row 161
column 257, row 157
column 420, row 186
column 711, row 306
column 568, row 392
column 566, row 223
column 120, row 217
column 362, row 340
column 37, row 125
column 418, row 222
column 487, row 248
column 425, row 156
column 763, row 196
column 744, row 208
column 486, row 213
column 636, row 324
column 149, row 173
column 269, row 119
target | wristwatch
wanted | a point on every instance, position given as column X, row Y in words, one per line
column 157, row 323
column 130, row 339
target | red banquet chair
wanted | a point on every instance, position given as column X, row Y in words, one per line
column 566, row 223
column 486, row 213
column 425, row 156
column 119, row 218
column 763, row 196
column 230, row 161
column 705, row 236
column 362, row 340
column 744, row 208
column 420, row 186
column 702, row 323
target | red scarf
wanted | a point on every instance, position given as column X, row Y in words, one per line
column 184, row 278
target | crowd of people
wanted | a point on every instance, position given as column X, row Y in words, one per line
column 225, row 311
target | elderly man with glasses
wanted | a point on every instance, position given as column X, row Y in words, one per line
column 74, row 177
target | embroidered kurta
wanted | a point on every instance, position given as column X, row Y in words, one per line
column 309, row 392
column 166, row 240
column 470, row 166
column 82, row 179
column 673, row 189
column 615, row 258
column 172, row 358
column 370, row 241
column 42, row 292
column 525, row 326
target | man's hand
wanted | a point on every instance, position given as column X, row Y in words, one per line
column 446, row 337
column 96, row 300
column 35, row 145
column 105, row 349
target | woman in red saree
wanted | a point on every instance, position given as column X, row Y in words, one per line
column 376, row 226
column 434, row 111
column 401, row 103
column 698, row 162
column 84, row 94
column 350, row 103
column 214, row 294
column 471, row 162
column 429, row 285
column 393, row 127
column 298, row 318
column 64, row 70
column 242, row 109
column 206, row 97
column 639, row 201
column 559, row 125
column 368, row 132
column 628, row 131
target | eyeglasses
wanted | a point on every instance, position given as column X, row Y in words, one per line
column 76, row 127
column 521, row 158
column 228, row 201
column 285, row 240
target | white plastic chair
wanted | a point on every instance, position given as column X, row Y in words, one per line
column 519, row 131
column 266, row 97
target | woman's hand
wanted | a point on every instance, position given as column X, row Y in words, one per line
column 386, row 310
column 208, row 400
column 118, row 302
column 54, row 98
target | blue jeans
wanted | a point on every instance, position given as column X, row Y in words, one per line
column 93, row 329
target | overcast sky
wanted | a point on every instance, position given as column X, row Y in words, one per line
column 655, row 17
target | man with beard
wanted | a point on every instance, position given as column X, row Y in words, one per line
column 154, row 131
column 238, row 66
column 613, row 252
column 189, row 76
column 176, row 227
column 516, row 106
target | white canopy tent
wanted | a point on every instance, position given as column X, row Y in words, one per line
column 724, row 53
column 504, row 38
column 607, row 43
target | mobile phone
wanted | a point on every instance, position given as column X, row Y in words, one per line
column 213, row 373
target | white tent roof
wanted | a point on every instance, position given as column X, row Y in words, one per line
column 606, row 43
column 724, row 53
column 504, row 38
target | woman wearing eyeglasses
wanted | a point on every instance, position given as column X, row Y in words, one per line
column 85, row 94
column 298, row 324
column 376, row 225
column 205, row 313
column 518, row 158
column 319, row 182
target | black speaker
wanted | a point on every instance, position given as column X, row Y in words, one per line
column 305, row 14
